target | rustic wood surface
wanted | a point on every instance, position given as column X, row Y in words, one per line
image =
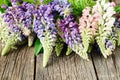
column 23, row 65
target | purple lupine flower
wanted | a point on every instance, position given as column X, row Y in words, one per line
column 41, row 0
column 63, row 7
column 69, row 27
column 20, row 16
column 44, row 20
column 72, row 36
column 45, row 28
column 110, row 45
column 4, row 6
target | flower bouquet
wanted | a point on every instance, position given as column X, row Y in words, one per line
column 82, row 25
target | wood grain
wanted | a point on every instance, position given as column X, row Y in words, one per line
column 18, row 65
column 65, row 68
column 116, row 60
column 105, row 68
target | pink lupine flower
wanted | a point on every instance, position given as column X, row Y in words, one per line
column 88, row 21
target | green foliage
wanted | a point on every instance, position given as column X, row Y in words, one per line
column 101, row 43
column 38, row 47
column 79, row 5
column 79, row 49
column 117, row 8
column 6, row 2
column 69, row 50
column 48, row 44
column 59, row 46
column 86, row 38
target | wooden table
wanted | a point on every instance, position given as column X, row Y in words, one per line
column 23, row 65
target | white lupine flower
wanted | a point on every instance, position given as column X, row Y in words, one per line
column 105, row 6
column 110, row 10
column 102, row 2
column 101, row 21
column 106, row 24
column 99, row 7
column 110, row 23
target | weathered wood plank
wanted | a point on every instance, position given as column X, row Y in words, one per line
column 105, row 68
column 116, row 60
column 18, row 65
column 65, row 68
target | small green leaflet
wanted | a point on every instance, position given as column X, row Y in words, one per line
column 59, row 46
column 117, row 9
column 87, row 38
column 38, row 47
column 69, row 50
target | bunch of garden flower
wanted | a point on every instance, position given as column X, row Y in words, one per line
column 55, row 24
column 8, row 36
column 17, row 22
column 97, row 25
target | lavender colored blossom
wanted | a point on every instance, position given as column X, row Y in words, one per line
column 44, row 20
column 20, row 16
column 41, row 0
column 72, row 36
column 63, row 7
column 4, row 6
column 110, row 45
column 70, row 29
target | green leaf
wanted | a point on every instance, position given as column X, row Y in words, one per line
column 59, row 48
column 59, row 45
column 30, row 1
column 101, row 43
column 38, row 47
column 79, row 5
column 47, row 1
column 48, row 45
column 117, row 8
column 86, row 38
column 6, row 2
column 69, row 50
